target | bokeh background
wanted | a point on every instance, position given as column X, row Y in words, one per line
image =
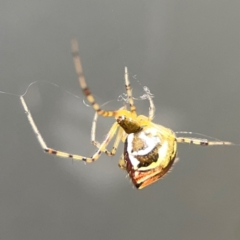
column 186, row 52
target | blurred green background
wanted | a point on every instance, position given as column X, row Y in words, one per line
column 186, row 52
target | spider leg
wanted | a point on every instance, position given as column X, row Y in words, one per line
column 116, row 143
column 151, row 108
column 122, row 163
column 129, row 93
column 124, row 137
column 202, row 142
column 82, row 82
column 89, row 96
column 44, row 146
column 97, row 144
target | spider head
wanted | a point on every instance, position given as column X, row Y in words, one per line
column 128, row 124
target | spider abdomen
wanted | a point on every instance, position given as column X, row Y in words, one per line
column 148, row 155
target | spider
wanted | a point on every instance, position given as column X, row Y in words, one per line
column 149, row 149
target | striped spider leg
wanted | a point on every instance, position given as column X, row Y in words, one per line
column 58, row 153
column 120, row 136
column 202, row 141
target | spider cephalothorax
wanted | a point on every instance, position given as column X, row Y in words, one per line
column 149, row 149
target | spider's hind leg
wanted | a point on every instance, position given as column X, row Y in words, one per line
column 202, row 142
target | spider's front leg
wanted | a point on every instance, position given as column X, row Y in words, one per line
column 48, row 150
